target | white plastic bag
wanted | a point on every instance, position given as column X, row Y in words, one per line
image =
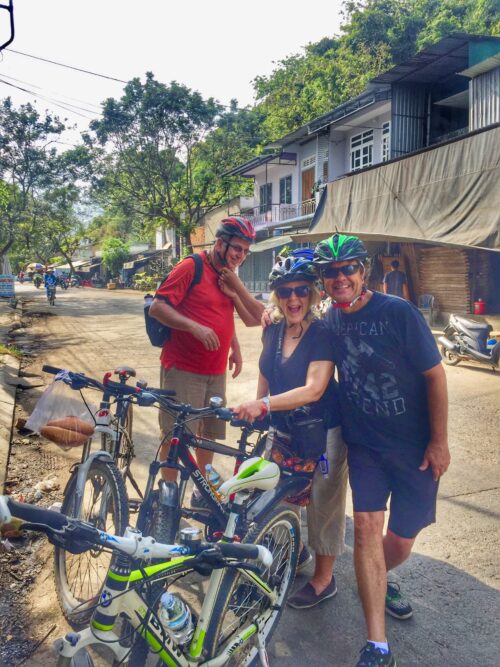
column 62, row 416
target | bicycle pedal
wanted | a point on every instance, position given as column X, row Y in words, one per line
column 134, row 504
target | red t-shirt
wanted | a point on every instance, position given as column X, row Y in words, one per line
column 204, row 303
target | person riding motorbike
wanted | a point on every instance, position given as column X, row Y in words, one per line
column 37, row 280
column 50, row 282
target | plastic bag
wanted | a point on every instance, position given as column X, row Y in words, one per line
column 61, row 415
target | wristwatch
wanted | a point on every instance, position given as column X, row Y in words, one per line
column 267, row 404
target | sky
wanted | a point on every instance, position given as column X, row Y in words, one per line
column 215, row 46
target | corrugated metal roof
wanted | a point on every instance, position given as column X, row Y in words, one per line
column 434, row 63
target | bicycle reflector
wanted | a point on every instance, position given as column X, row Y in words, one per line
column 174, row 441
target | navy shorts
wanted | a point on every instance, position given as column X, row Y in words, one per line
column 375, row 476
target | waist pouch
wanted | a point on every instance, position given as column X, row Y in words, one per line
column 307, row 436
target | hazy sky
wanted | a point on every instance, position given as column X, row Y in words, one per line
column 216, row 47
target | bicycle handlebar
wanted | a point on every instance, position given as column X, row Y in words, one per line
column 77, row 536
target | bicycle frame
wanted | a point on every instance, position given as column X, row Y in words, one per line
column 118, row 597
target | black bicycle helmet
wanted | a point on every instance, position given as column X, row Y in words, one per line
column 236, row 226
column 297, row 266
column 339, row 248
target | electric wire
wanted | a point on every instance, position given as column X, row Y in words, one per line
column 66, row 106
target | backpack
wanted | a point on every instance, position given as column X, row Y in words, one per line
column 159, row 333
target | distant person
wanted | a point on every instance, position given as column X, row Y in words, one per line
column 395, row 282
column 201, row 317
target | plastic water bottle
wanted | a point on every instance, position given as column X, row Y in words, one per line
column 148, row 300
column 324, row 466
column 212, row 476
column 176, row 618
column 490, row 344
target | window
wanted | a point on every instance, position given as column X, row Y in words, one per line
column 286, row 190
column 386, row 141
column 266, row 197
column 362, row 150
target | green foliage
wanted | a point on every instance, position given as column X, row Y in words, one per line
column 114, row 253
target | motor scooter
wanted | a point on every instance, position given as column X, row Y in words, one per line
column 466, row 339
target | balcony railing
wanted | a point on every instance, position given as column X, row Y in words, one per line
column 274, row 214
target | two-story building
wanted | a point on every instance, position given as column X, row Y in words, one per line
column 411, row 165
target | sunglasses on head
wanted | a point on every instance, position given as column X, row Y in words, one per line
column 286, row 292
column 347, row 270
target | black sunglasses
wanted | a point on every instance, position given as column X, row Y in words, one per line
column 286, row 292
column 347, row 270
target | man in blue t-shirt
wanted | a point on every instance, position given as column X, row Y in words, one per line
column 395, row 282
column 394, row 421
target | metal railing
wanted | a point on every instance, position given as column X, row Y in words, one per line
column 273, row 214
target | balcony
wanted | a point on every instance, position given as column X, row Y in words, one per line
column 275, row 214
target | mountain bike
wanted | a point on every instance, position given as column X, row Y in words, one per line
column 96, row 491
column 243, row 602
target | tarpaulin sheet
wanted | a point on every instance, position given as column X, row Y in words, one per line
column 449, row 194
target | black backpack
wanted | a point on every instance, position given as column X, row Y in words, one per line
column 159, row 333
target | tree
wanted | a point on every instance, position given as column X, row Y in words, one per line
column 154, row 168
column 27, row 155
column 114, row 254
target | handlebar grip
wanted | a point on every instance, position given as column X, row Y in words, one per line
column 224, row 413
column 241, row 551
column 35, row 514
column 51, row 369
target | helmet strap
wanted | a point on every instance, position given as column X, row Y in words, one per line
column 343, row 305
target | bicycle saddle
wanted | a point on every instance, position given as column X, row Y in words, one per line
column 125, row 370
column 254, row 473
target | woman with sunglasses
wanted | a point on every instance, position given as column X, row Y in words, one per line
column 295, row 371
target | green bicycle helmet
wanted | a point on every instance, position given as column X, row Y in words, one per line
column 339, row 248
column 297, row 266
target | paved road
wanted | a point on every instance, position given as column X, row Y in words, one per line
column 453, row 576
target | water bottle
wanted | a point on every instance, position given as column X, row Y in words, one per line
column 490, row 344
column 212, row 477
column 324, row 466
column 176, row 618
column 148, row 300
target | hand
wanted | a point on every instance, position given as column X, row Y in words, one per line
column 229, row 283
column 249, row 411
column 437, row 456
column 236, row 360
column 207, row 337
column 266, row 318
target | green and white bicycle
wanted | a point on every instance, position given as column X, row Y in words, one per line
column 247, row 589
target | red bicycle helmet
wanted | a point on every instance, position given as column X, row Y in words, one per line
column 236, row 226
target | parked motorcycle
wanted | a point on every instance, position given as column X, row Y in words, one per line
column 466, row 339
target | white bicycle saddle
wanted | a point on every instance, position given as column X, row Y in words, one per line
column 254, row 473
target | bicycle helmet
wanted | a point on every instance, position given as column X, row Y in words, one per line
column 236, row 226
column 339, row 248
column 297, row 266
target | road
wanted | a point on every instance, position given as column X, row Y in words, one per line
column 453, row 576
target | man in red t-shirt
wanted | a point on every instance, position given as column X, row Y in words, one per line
column 193, row 360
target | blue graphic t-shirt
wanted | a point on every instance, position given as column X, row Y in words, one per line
column 381, row 352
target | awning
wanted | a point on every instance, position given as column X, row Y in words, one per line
column 269, row 244
column 444, row 195
column 78, row 264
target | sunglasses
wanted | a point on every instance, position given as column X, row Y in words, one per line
column 286, row 292
column 238, row 248
column 347, row 270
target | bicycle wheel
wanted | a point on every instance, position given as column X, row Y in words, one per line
column 125, row 449
column 240, row 602
column 162, row 523
column 79, row 578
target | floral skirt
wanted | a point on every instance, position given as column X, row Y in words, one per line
column 282, row 454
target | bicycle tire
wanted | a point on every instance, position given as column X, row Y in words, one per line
column 280, row 527
column 162, row 523
column 79, row 578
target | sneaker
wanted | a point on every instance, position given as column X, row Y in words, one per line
column 371, row 656
column 305, row 557
column 198, row 501
column 306, row 597
column 395, row 604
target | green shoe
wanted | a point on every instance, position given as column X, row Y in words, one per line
column 395, row 604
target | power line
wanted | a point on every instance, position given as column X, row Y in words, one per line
column 33, row 85
column 77, row 69
column 48, row 99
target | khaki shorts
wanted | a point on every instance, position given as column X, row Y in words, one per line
column 326, row 511
column 197, row 390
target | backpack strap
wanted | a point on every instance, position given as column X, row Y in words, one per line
column 198, row 271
